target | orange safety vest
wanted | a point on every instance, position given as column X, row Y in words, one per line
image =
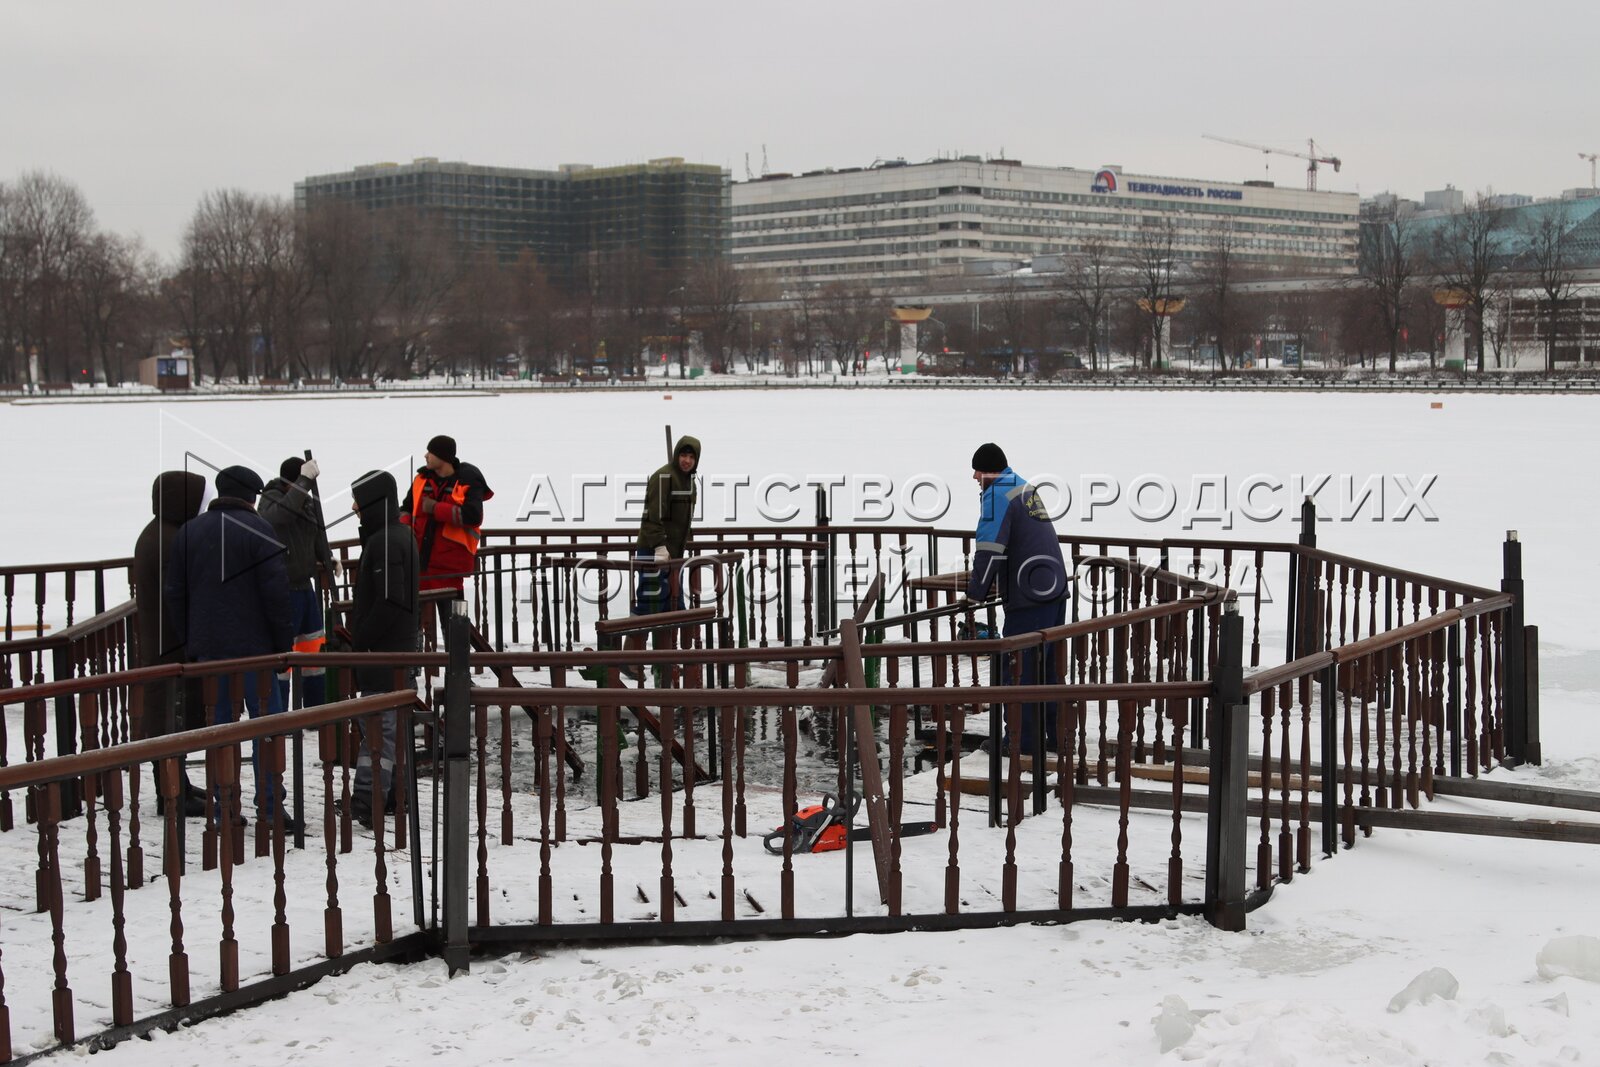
column 465, row 536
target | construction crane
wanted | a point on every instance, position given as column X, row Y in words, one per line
column 1311, row 154
column 1591, row 157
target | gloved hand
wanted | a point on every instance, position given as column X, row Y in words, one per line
column 337, row 568
column 309, row 469
column 662, row 555
column 428, row 504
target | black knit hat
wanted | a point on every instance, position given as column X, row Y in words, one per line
column 289, row 470
column 989, row 459
column 241, row 483
column 444, row 448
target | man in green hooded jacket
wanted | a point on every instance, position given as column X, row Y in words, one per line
column 669, row 500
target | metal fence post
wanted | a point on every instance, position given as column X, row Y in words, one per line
column 1306, row 615
column 1225, row 800
column 1516, row 678
column 457, row 776
column 825, row 606
column 1530, row 672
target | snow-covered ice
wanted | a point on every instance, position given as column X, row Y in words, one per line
column 1309, row 983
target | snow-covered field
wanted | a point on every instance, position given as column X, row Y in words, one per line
column 1312, row 980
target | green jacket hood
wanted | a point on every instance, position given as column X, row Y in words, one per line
column 692, row 444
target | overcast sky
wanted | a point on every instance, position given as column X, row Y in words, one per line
column 148, row 105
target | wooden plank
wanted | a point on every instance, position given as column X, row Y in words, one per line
column 866, row 744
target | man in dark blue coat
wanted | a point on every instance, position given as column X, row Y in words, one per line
column 1016, row 547
column 227, row 590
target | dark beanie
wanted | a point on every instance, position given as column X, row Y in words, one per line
column 241, row 483
column 290, row 468
column 989, row 459
column 444, row 447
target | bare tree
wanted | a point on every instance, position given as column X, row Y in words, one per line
column 342, row 258
column 1464, row 254
column 1086, row 289
column 46, row 223
column 110, row 277
column 1220, row 308
column 1388, row 257
column 1011, row 316
column 717, row 292
column 287, row 289
column 539, row 315
column 1149, row 265
column 419, row 264
column 1548, row 259
column 848, row 316
column 223, row 244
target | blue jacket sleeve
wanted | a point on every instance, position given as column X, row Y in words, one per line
column 989, row 551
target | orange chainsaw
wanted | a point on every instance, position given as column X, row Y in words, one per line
column 822, row 828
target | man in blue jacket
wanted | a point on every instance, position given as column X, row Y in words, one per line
column 227, row 591
column 1016, row 547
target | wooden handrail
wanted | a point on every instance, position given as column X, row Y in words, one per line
column 168, row 746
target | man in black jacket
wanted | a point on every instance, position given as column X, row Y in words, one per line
column 174, row 500
column 227, row 591
column 289, row 504
column 385, row 617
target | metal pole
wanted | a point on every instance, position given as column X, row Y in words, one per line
column 457, row 774
column 1516, row 679
column 1226, row 824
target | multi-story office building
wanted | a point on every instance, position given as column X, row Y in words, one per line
column 916, row 222
column 672, row 211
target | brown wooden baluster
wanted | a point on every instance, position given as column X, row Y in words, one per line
column 404, row 752
column 725, row 730
column 897, row 752
column 1401, row 787
column 1264, row 846
column 272, row 756
column 88, row 705
column 546, row 879
column 1493, row 688
column 214, row 810
column 1080, row 651
column 328, row 738
column 741, row 674
column 172, row 865
column 1303, row 832
column 1346, row 675
column 952, row 869
column 1377, row 666
column 349, row 739
column 48, row 805
column 481, row 733
column 382, row 922
column 1065, row 714
column 1126, row 711
column 668, row 728
column 226, row 775
column 121, row 980
column 558, row 678
column 505, row 775
column 1008, row 871
column 610, row 771
column 1178, row 711
column 691, row 680
column 941, row 714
